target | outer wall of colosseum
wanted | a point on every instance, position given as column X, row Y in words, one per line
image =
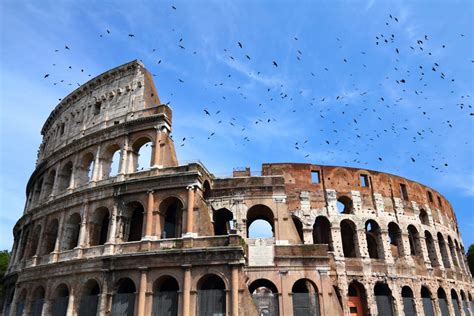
column 105, row 234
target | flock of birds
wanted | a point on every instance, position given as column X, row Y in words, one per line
column 340, row 123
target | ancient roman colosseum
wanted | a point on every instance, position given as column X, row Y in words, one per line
column 105, row 234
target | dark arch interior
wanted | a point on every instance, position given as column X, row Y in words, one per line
column 303, row 286
column 206, row 187
column 424, row 217
column 348, row 238
column 299, row 227
column 211, row 282
column 262, row 284
column 136, row 221
column 172, row 210
column 126, row 286
column 322, row 231
column 166, row 284
column 381, row 289
column 344, row 205
column 425, row 293
column 62, row 291
column 92, row 288
column 222, row 221
column 441, row 293
column 372, row 233
column 407, row 292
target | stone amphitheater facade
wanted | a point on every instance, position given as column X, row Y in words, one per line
column 103, row 235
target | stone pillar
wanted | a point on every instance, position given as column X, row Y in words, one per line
column 371, row 303
column 109, row 245
column 308, row 235
column 149, row 215
column 96, row 171
column 59, row 238
column 362, row 242
column 72, row 180
column 14, row 302
column 386, row 246
column 103, row 301
column 331, row 198
column 406, row 247
column 190, row 210
column 83, row 229
column 235, row 290
column 397, row 297
column 439, row 255
column 337, row 241
column 186, row 291
column 70, row 304
column 54, row 191
column 142, row 291
column 123, row 158
column 156, row 148
column 424, row 251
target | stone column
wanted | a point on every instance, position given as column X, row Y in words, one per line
column 109, row 245
column 96, row 171
column 156, row 148
column 362, row 242
column 186, row 291
column 103, row 301
column 70, row 304
column 190, row 210
column 337, row 241
column 54, row 191
column 149, row 215
column 397, row 298
column 72, row 181
column 386, row 246
column 439, row 255
column 308, row 235
column 235, row 290
column 59, row 238
column 406, row 247
column 123, row 158
column 424, row 251
column 142, row 291
column 83, row 229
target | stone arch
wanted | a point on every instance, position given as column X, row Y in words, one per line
column 345, row 205
column 357, row 298
column 260, row 212
column 442, row 301
column 211, row 292
column 374, row 239
column 21, row 302
column 72, row 228
column 396, row 242
column 427, row 301
column 305, row 298
column 414, row 239
column 299, row 228
column 90, row 298
column 37, row 190
column 48, row 184
column 444, row 251
column 350, row 245
column 431, row 248
column 33, row 242
column 142, row 151
column 408, row 301
column 165, row 296
column 99, row 227
column 453, row 252
column 322, row 232
column 134, row 221
column 383, row 299
column 60, row 300
column 171, row 210
column 123, row 302
column 423, row 216
column 265, row 296
column 37, row 301
column 223, row 221
column 50, row 237
column 206, row 190
column 65, row 176
column 455, row 302
column 465, row 302
column 111, row 161
column 85, row 169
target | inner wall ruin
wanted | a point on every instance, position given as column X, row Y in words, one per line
column 103, row 233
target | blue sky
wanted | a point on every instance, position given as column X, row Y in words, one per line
column 337, row 97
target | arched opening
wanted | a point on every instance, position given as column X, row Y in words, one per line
column 260, row 221
column 430, row 246
column 37, row 191
column 427, row 301
column 265, row 297
column 123, row 303
column 9, row 294
column 99, row 227
column 85, row 169
column 414, row 239
column 396, row 243
column 172, row 212
column 90, row 299
column 134, row 229
column 37, row 302
column 111, row 161
column 223, row 221
column 33, row 242
column 460, row 255
column 50, row 237
column 444, row 251
column 383, row 298
column 408, row 301
column 374, row 240
column 443, row 304
column 350, row 245
column 465, row 303
column 357, row 299
column 49, row 184
column 322, row 232
column 165, row 297
column 299, row 228
column 305, row 298
column 60, row 301
column 141, row 154
column 206, row 190
column 65, row 176
column 453, row 252
column 344, row 205
column 211, row 295
column 71, row 232
column 20, row 305
column 424, row 219
column 455, row 303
